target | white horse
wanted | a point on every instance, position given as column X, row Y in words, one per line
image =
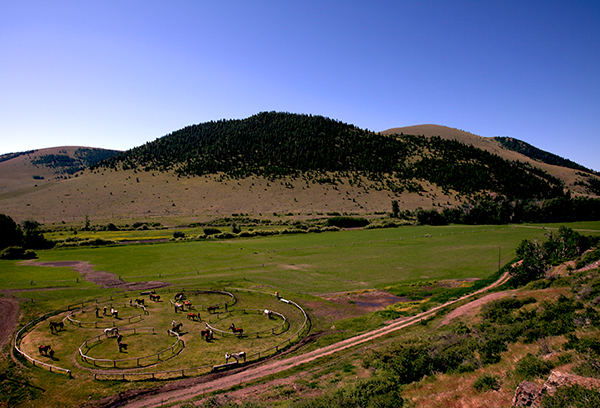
column 111, row 332
column 237, row 356
column 268, row 313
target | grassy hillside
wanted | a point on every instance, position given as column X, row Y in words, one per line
column 569, row 175
column 278, row 163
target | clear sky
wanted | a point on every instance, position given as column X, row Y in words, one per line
column 116, row 74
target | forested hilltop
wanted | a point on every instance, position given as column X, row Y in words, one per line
column 538, row 154
column 275, row 144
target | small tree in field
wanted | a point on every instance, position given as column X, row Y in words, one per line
column 395, row 209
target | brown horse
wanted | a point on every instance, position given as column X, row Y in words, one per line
column 192, row 316
column 45, row 349
column 56, row 326
column 236, row 330
column 154, row 297
column 177, row 327
column 212, row 309
column 206, row 334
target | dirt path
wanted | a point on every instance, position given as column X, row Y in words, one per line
column 100, row 278
column 9, row 314
column 185, row 390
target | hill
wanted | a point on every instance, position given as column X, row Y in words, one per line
column 577, row 178
column 280, row 163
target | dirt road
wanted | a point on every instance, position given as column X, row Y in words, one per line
column 171, row 393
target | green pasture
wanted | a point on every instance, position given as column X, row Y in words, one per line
column 312, row 263
column 308, row 263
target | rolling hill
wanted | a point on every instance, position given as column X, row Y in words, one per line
column 278, row 163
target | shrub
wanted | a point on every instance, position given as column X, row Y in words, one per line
column 487, row 382
column 178, row 234
column 17, row 252
column 347, row 222
column 572, row 396
column 531, row 367
column 211, row 231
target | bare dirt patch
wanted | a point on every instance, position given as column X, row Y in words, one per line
column 472, row 307
column 9, row 313
column 100, row 278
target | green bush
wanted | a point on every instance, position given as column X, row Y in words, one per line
column 347, row 222
column 531, row 367
column 17, row 252
column 573, row 397
column 487, row 382
column 211, row 231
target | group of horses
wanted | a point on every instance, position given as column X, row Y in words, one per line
column 47, row 351
column 114, row 332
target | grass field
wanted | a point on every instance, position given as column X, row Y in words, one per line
column 307, row 263
column 300, row 267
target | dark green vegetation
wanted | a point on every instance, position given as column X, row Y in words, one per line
column 9, row 156
column 591, row 184
column 538, row 154
column 539, row 257
column 485, row 210
column 15, row 239
column 274, row 144
column 62, row 163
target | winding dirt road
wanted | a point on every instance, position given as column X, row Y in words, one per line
column 185, row 390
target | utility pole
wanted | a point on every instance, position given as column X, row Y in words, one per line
column 498, row 260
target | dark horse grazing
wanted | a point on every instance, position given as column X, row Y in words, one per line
column 154, row 297
column 45, row 349
column 212, row 309
column 139, row 301
column 177, row 327
column 122, row 346
column 206, row 334
column 236, row 330
column 56, row 326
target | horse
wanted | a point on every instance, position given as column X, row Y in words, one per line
column 139, row 301
column 268, row 313
column 45, row 349
column 192, row 316
column 119, row 338
column 177, row 327
column 179, row 296
column 56, row 326
column 111, row 332
column 114, row 313
column 236, row 330
column 237, row 356
column 187, row 303
column 206, row 334
column 104, row 311
column 178, row 306
column 212, row 309
column 154, row 297
column 122, row 346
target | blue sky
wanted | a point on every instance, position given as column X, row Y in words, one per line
column 116, row 74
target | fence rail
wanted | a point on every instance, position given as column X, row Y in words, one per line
column 188, row 372
column 32, row 360
column 84, row 348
